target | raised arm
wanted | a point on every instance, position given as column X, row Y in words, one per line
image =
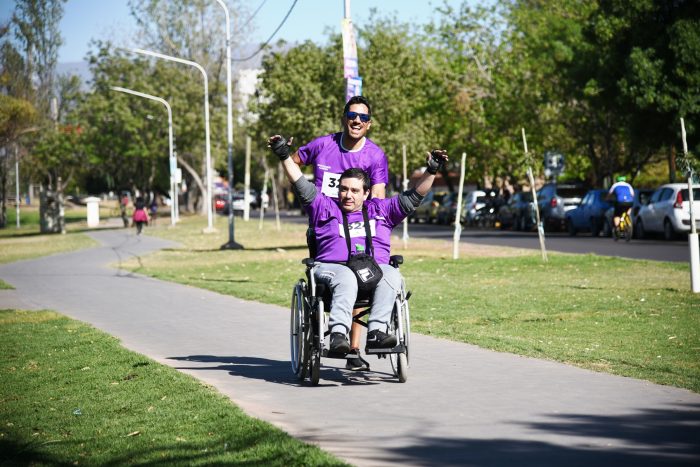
column 305, row 190
column 436, row 158
column 411, row 198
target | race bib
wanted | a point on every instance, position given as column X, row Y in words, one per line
column 329, row 185
column 357, row 229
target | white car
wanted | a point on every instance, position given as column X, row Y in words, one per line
column 668, row 211
column 473, row 201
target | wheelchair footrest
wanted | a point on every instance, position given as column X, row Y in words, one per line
column 398, row 349
column 328, row 354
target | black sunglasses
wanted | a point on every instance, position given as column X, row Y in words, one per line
column 353, row 115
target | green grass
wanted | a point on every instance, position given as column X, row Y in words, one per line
column 72, row 395
column 26, row 242
column 626, row 317
column 29, row 218
column 5, row 286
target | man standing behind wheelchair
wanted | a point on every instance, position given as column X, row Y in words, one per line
column 331, row 218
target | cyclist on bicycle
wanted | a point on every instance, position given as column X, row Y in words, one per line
column 622, row 194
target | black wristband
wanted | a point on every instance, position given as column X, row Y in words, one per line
column 434, row 163
column 281, row 149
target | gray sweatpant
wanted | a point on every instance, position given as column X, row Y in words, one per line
column 343, row 285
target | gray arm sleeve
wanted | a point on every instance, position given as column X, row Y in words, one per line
column 305, row 190
column 409, row 200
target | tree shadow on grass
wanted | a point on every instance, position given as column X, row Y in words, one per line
column 280, row 372
column 228, row 447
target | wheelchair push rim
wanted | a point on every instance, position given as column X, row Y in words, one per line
column 298, row 332
column 402, row 326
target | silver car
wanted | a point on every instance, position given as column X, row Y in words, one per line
column 668, row 211
column 473, row 201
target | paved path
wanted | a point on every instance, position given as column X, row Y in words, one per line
column 461, row 406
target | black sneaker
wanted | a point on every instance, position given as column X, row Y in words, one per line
column 356, row 362
column 339, row 343
column 380, row 340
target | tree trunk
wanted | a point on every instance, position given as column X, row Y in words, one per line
column 48, row 210
column 61, row 205
column 671, row 164
column 197, row 179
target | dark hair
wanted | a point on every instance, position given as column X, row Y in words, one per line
column 358, row 174
column 358, row 100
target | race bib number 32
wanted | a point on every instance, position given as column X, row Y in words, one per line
column 357, row 229
column 329, row 185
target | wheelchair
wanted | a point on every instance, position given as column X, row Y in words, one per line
column 308, row 332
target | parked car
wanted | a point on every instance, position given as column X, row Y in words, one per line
column 518, row 213
column 487, row 216
column 668, row 211
column 428, row 209
column 590, row 214
column 221, row 201
column 641, row 198
column 447, row 211
column 473, row 201
column 555, row 200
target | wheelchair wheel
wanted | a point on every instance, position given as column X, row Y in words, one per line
column 401, row 325
column 316, row 341
column 299, row 332
column 315, row 367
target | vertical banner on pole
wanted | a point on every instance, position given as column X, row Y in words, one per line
column 351, row 72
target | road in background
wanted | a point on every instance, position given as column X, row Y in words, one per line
column 653, row 249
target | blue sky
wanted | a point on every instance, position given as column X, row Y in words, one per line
column 84, row 20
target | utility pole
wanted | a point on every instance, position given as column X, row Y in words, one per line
column 231, row 244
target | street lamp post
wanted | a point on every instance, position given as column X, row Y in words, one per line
column 210, row 228
column 171, row 159
column 231, row 244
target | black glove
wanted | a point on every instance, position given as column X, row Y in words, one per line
column 280, row 148
column 436, row 160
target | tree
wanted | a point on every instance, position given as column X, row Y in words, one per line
column 17, row 117
column 36, row 25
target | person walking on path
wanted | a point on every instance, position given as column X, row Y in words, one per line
column 140, row 215
column 153, row 209
column 123, row 204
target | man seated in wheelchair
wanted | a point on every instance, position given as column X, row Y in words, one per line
column 349, row 231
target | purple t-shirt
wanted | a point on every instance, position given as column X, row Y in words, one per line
column 326, row 219
column 330, row 159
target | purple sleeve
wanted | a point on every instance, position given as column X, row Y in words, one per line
column 317, row 209
column 308, row 152
column 391, row 209
column 380, row 171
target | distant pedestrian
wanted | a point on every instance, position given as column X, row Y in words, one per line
column 140, row 215
column 153, row 209
column 123, row 204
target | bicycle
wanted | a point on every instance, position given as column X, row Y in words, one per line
column 624, row 229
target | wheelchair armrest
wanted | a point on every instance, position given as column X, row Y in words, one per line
column 395, row 260
column 308, row 262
